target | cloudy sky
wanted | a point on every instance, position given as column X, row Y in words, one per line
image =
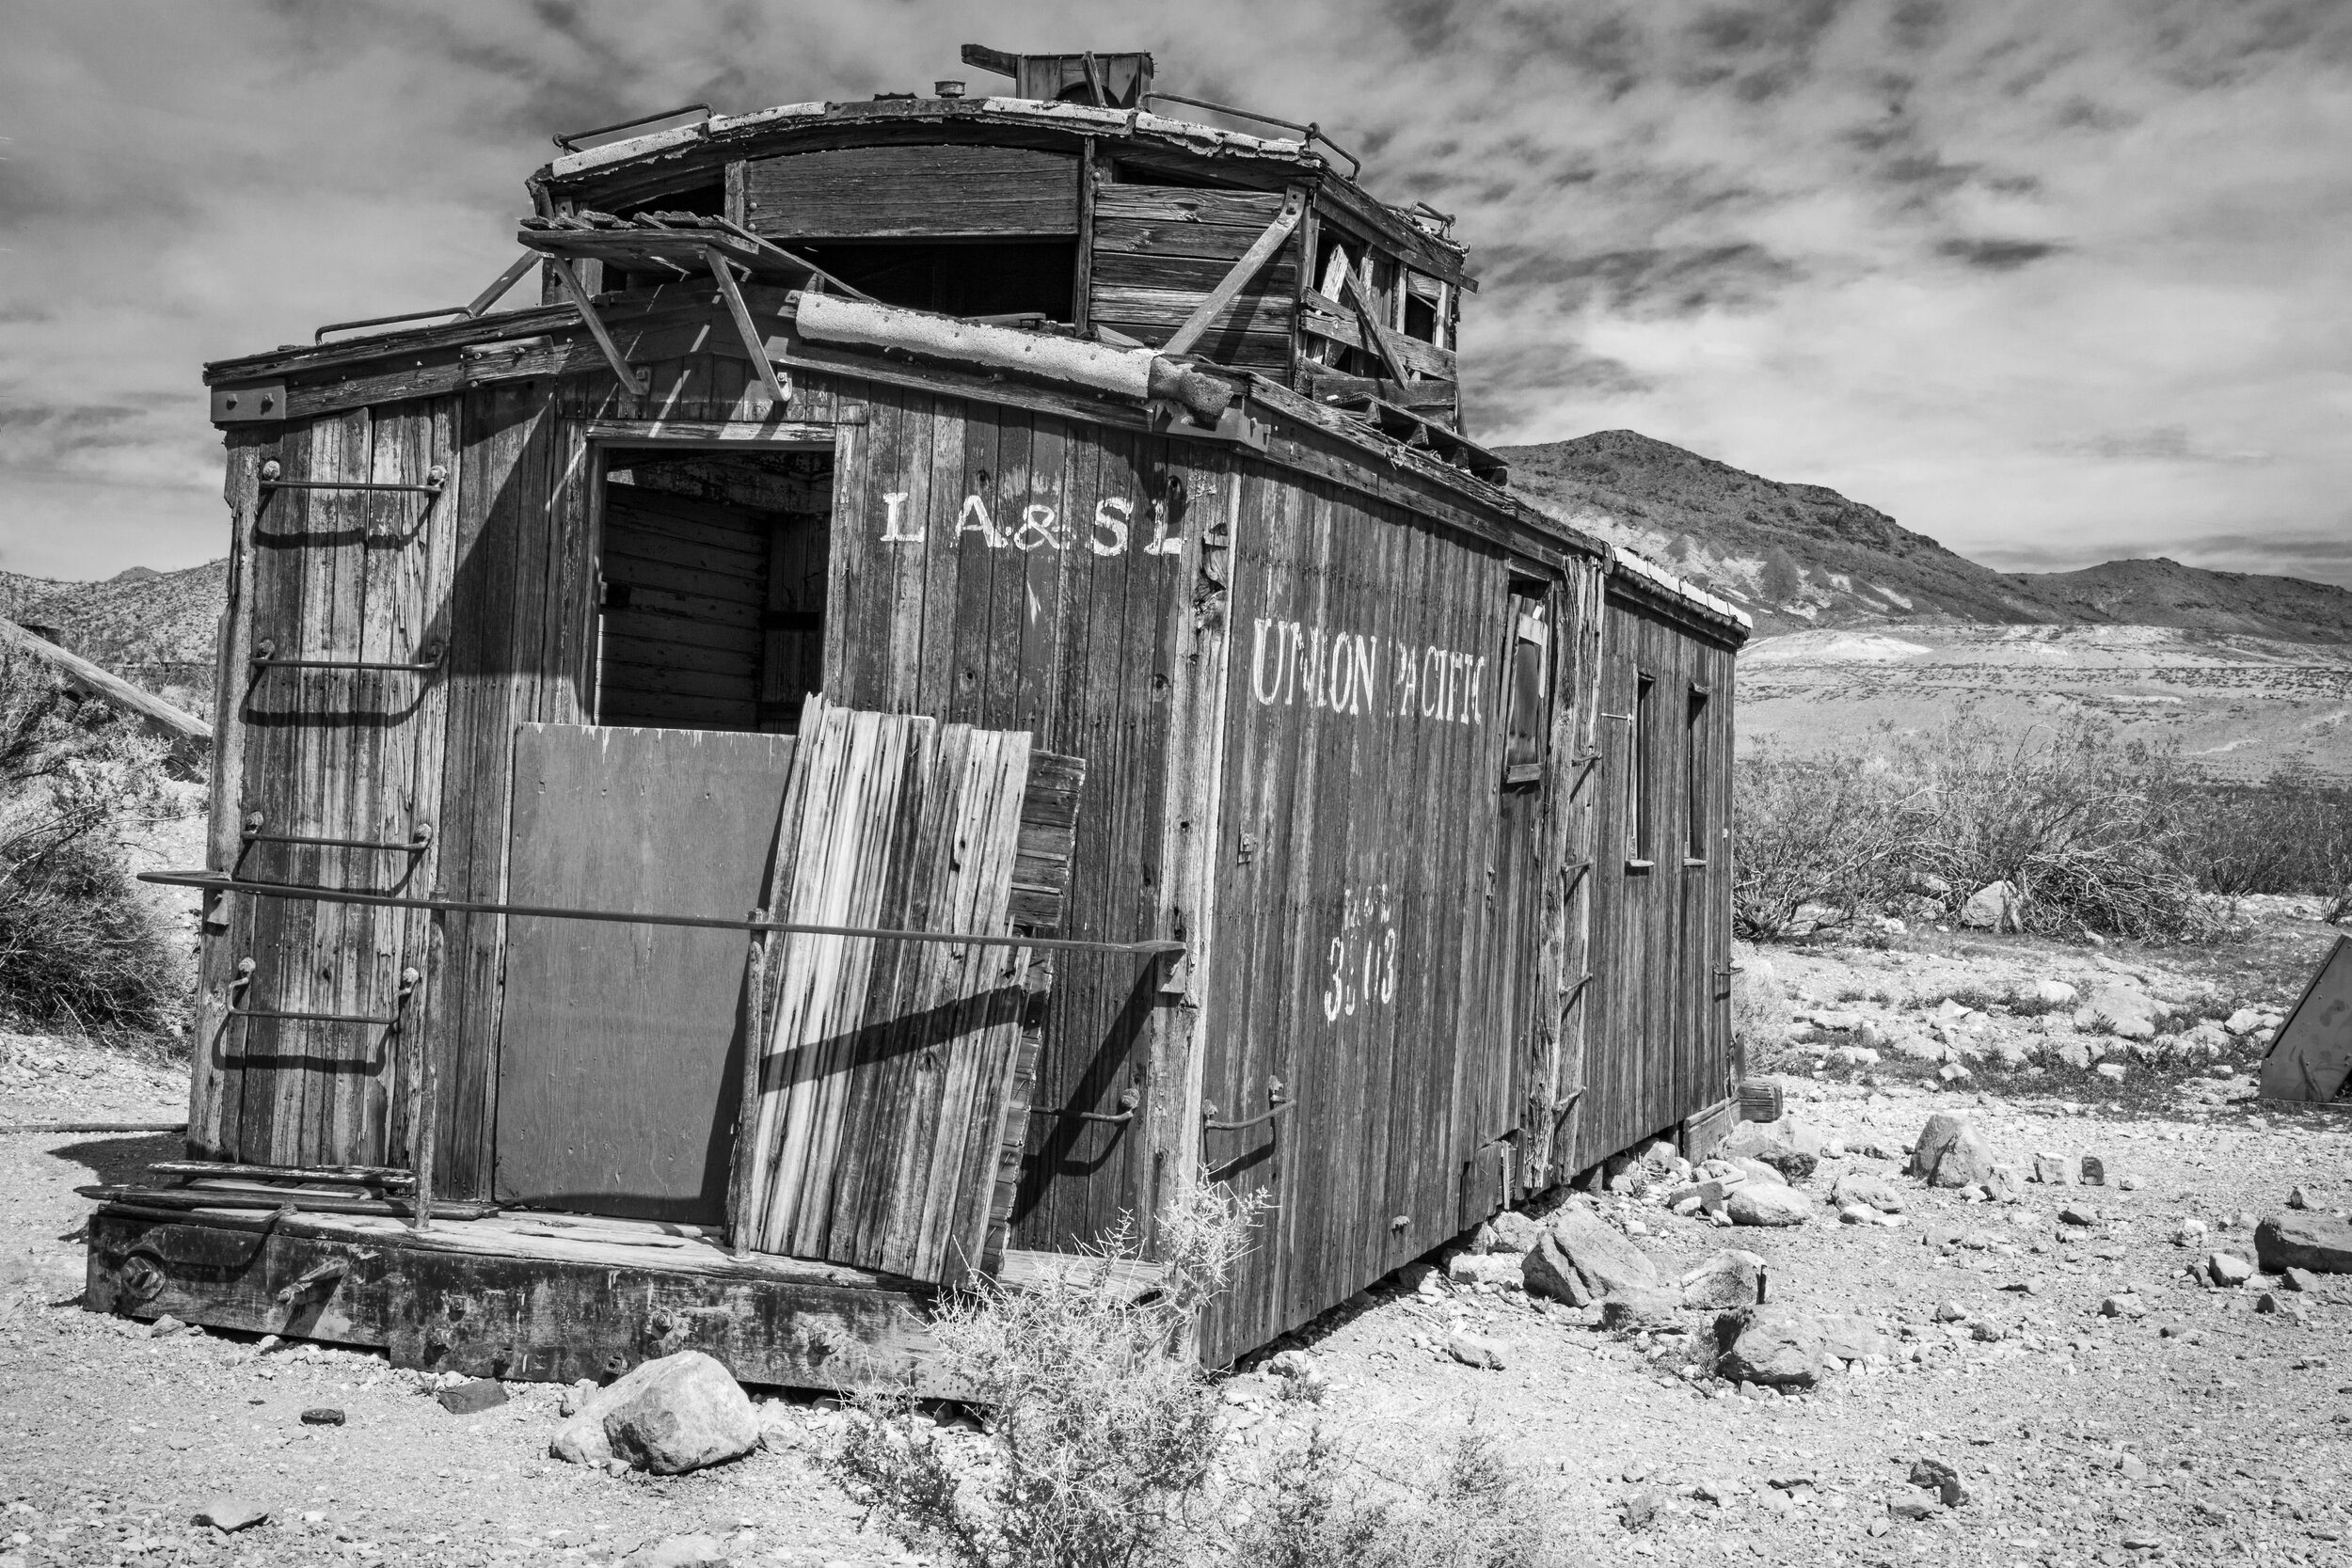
column 2053, row 283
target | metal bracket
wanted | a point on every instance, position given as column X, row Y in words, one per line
column 1236, row 426
column 254, row 404
column 265, row 657
column 415, row 844
column 408, row 979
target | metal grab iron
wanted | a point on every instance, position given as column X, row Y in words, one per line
column 419, row 840
column 408, row 979
column 265, row 657
column 1274, row 1092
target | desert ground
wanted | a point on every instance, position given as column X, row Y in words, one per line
column 2095, row 1403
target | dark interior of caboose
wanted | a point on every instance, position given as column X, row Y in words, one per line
column 711, row 587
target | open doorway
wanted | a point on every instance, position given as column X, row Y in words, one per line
column 711, row 587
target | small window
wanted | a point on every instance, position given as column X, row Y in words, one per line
column 1524, row 736
column 1694, row 777
column 1640, row 841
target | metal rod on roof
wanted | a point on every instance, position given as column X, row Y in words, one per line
column 567, row 140
column 1311, row 131
column 630, row 917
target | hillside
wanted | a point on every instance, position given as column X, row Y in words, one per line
column 153, row 628
column 1801, row 557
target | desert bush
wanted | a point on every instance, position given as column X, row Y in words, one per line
column 1469, row 1509
column 1103, row 1438
column 1811, row 832
column 80, row 947
column 1103, row 1446
column 2290, row 834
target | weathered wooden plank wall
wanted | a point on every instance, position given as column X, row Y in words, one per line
column 1660, row 1032
column 912, row 192
column 1361, row 849
column 1159, row 249
column 334, row 753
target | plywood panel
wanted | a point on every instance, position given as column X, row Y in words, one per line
column 618, row 1052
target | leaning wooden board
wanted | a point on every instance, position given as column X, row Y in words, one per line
column 886, row 1085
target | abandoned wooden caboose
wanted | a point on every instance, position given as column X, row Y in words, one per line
column 1373, row 837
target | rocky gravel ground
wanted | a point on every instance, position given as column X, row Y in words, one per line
column 2044, row 1376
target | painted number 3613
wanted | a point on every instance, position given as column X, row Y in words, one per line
column 1363, row 956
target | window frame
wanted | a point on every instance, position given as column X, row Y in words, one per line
column 1526, row 595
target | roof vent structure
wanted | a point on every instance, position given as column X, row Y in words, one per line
column 1106, row 81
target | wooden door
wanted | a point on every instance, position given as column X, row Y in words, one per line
column 618, row 1077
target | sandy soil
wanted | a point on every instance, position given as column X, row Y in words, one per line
column 2203, row 1430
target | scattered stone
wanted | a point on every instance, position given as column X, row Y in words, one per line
column 1785, row 1346
column 684, row 1551
column 2056, row 1170
column 473, row 1396
column 2296, row 1198
column 165, row 1326
column 322, row 1415
column 2054, row 994
column 230, row 1514
column 2312, row 1240
column 2271, row 1304
column 2228, row 1268
column 1515, row 1231
column 669, row 1415
column 1730, row 1278
column 2120, row 1010
column 1913, row 1507
column 1583, row 1258
column 2297, row 1279
column 1788, row 1147
column 1949, row 1312
column 1756, row 1172
column 2078, row 1213
column 2131, row 1466
column 2005, row 1184
column 1951, row 1152
column 1993, row 907
column 2122, row 1306
column 2113, row 1072
column 1490, row 1268
column 2129, row 1183
column 1933, row 1475
column 1474, row 1350
column 1638, row 1510
column 1632, row 1309
column 1757, row 1204
column 2243, row 1022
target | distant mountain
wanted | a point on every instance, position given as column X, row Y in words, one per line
column 155, row 629
column 1802, row 557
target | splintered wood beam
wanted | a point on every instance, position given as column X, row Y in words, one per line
column 997, row 60
column 505, row 280
column 1373, row 330
column 634, row 382
column 1253, row 261
column 754, row 344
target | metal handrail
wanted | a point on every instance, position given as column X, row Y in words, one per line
column 567, row 140
column 408, row 979
column 419, row 840
column 1312, row 130
column 213, row 880
column 435, row 478
column 1127, row 1103
column 1274, row 1089
column 265, row 652
column 480, row 302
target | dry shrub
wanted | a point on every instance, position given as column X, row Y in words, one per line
column 1102, row 1447
column 2095, row 833
column 80, row 947
column 1469, row 1509
column 1104, row 1438
column 1811, row 832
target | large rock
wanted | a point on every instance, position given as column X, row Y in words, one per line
column 2054, row 994
column 1787, row 1146
column 1630, row 1311
column 1788, row 1346
column 1951, row 1152
column 2125, row 1011
column 676, row 1414
column 1758, row 1203
column 1515, row 1231
column 1871, row 1191
column 1583, row 1258
column 1757, row 1171
column 1991, row 908
column 1730, row 1278
column 2304, row 1239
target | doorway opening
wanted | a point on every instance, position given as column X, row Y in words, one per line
column 711, row 587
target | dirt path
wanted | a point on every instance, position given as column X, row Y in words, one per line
column 2204, row 1431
